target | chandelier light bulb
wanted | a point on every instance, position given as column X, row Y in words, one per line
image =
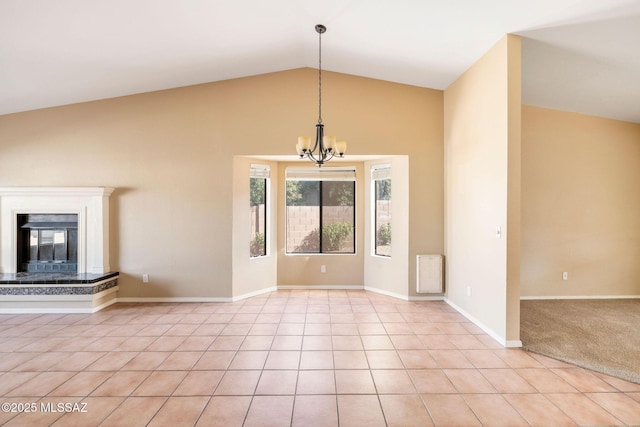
column 341, row 148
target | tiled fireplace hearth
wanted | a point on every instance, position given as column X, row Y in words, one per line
column 85, row 283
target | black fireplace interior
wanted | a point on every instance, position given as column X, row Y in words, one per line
column 47, row 243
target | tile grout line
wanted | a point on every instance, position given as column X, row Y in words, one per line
column 108, row 336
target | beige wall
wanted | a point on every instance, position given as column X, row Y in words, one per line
column 482, row 169
column 580, row 205
column 170, row 154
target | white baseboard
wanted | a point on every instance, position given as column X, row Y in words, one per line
column 405, row 297
column 103, row 306
column 254, row 294
column 321, row 287
column 426, row 298
column 57, row 310
column 174, row 299
column 579, row 297
column 47, row 310
column 387, row 293
column 485, row 328
column 200, row 299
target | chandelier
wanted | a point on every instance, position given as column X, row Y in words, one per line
column 326, row 146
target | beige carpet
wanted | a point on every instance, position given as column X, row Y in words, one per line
column 601, row 335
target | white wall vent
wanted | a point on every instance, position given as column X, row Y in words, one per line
column 429, row 274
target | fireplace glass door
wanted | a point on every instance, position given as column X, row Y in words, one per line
column 48, row 243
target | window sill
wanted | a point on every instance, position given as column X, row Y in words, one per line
column 318, row 254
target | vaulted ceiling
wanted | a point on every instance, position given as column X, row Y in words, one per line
column 578, row 55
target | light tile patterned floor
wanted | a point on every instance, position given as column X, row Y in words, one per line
column 300, row 358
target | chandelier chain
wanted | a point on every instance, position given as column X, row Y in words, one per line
column 319, row 77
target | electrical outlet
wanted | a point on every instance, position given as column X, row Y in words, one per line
column 145, row 278
column 323, row 269
column 468, row 291
column 565, row 275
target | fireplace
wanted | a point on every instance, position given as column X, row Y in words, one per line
column 54, row 250
column 51, row 230
column 47, row 243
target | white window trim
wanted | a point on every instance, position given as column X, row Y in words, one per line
column 382, row 171
column 345, row 173
column 259, row 171
column 341, row 173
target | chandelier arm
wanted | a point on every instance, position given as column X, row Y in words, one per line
column 315, row 145
column 311, row 157
column 318, row 142
column 328, row 156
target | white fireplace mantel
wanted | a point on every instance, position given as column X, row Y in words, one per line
column 91, row 204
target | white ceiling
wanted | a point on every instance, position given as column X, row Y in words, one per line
column 578, row 55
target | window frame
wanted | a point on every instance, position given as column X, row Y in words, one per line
column 262, row 172
column 322, row 176
column 379, row 173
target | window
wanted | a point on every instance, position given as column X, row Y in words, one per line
column 320, row 211
column 381, row 178
column 258, row 210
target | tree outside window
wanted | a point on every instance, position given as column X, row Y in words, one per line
column 382, row 217
column 257, row 205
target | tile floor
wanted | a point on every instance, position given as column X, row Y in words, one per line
column 300, row 358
